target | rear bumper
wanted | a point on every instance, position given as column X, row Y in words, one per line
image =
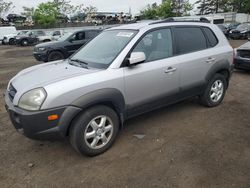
column 35, row 125
column 242, row 63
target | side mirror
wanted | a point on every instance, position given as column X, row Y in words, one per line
column 137, row 57
column 71, row 40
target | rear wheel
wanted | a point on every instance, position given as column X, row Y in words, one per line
column 11, row 42
column 56, row 55
column 94, row 131
column 215, row 91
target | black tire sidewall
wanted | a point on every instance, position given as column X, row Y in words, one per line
column 11, row 42
column 79, row 125
column 23, row 42
column 53, row 53
column 206, row 97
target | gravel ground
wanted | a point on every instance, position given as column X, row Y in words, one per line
column 185, row 145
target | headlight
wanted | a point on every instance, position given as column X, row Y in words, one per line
column 41, row 49
column 32, row 100
column 243, row 31
column 18, row 38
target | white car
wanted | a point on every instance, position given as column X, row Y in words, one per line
column 6, row 30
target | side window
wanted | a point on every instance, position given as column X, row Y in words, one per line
column 91, row 34
column 40, row 33
column 189, row 39
column 156, row 45
column 212, row 39
column 80, row 36
column 56, row 33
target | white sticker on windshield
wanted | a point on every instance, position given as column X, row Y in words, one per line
column 124, row 34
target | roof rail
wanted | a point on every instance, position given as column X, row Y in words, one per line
column 180, row 19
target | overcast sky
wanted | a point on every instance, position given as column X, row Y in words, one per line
column 102, row 5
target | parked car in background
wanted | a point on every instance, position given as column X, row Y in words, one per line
column 242, row 57
column 123, row 72
column 242, row 31
column 57, row 34
column 222, row 28
column 6, row 30
column 65, row 46
column 32, row 37
column 10, row 39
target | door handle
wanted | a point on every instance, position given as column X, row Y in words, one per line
column 170, row 70
column 210, row 60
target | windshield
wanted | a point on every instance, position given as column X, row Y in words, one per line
column 102, row 50
column 243, row 27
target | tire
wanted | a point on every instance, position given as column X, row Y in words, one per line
column 90, row 123
column 11, row 42
column 215, row 91
column 55, row 55
column 24, row 42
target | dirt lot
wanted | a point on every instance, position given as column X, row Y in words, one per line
column 186, row 145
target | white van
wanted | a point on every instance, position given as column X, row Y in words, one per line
column 7, row 30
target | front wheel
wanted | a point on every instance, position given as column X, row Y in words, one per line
column 24, row 42
column 55, row 55
column 215, row 91
column 94, row 131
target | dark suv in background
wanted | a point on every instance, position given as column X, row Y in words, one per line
column 32, row 37
column 65, row 46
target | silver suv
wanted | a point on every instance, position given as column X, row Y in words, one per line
column 123, row 72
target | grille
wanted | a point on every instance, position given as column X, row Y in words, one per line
column 244, row 53
column 12, row 92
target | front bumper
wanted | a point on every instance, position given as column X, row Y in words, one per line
column 35, row 125
column 41, row 56
column 242, row 63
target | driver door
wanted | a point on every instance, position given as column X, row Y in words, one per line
column 152, row 83
column 76, row 42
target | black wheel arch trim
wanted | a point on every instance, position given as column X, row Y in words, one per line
column 108, row 95
column 219, row 66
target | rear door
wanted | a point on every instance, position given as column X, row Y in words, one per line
column 148, row 85
column 195, row 57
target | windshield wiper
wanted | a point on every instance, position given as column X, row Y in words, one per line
column 80, row 62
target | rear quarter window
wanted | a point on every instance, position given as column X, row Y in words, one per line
column 212, row 39
column 189, row 39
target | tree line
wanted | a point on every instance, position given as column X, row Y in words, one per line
column 50, row 12
column 175, row 8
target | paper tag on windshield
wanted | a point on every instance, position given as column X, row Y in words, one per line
column 124, row 34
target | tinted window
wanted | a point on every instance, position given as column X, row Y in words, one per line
column 56, row 33
column 91, row 34
column 189, row 40
column 156, row 45
column 80, row 36
column 211, row 37
column 40, row 33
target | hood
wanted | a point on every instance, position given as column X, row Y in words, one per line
column 44, row 74
column 245, row 46
column 48, row 44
